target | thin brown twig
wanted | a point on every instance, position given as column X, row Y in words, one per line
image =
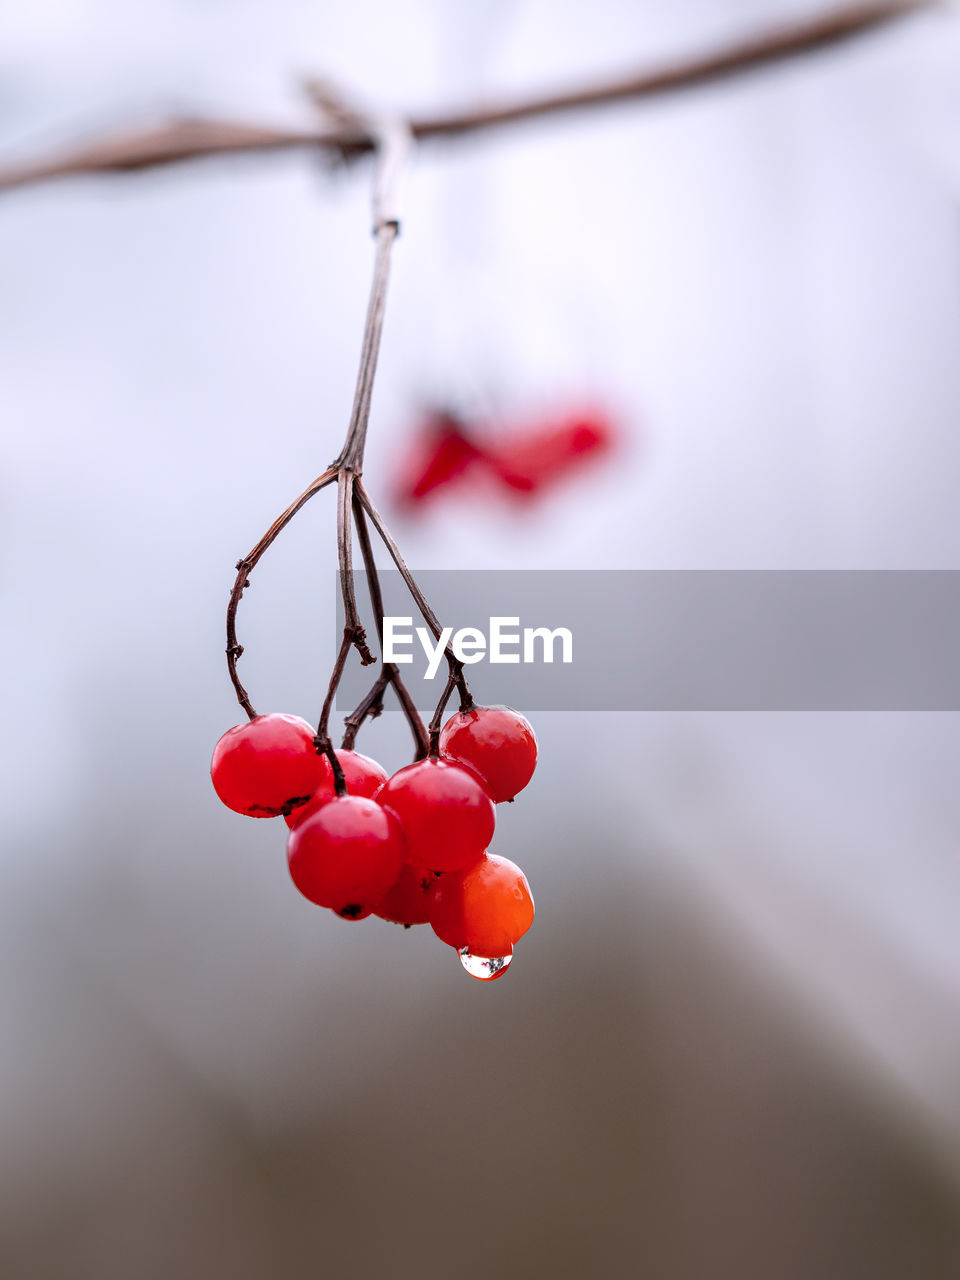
column 369, row 707
column 394, row 140
column 386, row 537
column 244, row 568
column 323, row 734
column 338, row 666
column 454, row 665
column 437, row 721
column 351, row 455
column 370, row 565
column 192, row 139
column 353, row 627
column 372, row 704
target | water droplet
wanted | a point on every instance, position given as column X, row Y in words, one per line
column 484, row 968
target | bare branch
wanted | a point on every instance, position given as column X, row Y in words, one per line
column 190, row 139
column 164, row 144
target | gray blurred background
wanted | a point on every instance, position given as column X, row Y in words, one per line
column 729, row 1046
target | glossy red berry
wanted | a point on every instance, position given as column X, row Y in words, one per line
column 498, row 743
column 363, row 777
column 267, row 766
column 484, row 909
column 346, row 855
column 446, row 815
column 407, row 902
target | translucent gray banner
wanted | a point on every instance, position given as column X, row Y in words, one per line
column 683, row 641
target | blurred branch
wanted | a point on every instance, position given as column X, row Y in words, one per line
column 191, row 139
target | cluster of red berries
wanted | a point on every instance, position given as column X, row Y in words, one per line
column 411, row 848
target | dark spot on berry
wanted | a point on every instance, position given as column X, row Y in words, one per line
column 293, row 803
column 351, row 911
column 408, row 926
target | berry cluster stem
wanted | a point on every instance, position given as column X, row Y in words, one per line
column 354, row 507
column 372, row 704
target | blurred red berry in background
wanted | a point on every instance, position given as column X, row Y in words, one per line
column 440, row 453
column 536, row 459
column 526, row 461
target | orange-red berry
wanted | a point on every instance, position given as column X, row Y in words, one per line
column 484, row 909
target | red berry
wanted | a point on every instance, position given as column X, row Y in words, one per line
column 346, row 855
column 408, row 901
column 267, row 766
column 446, row 816
column 484, row 909
column 497, row 743
column 363, row 776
